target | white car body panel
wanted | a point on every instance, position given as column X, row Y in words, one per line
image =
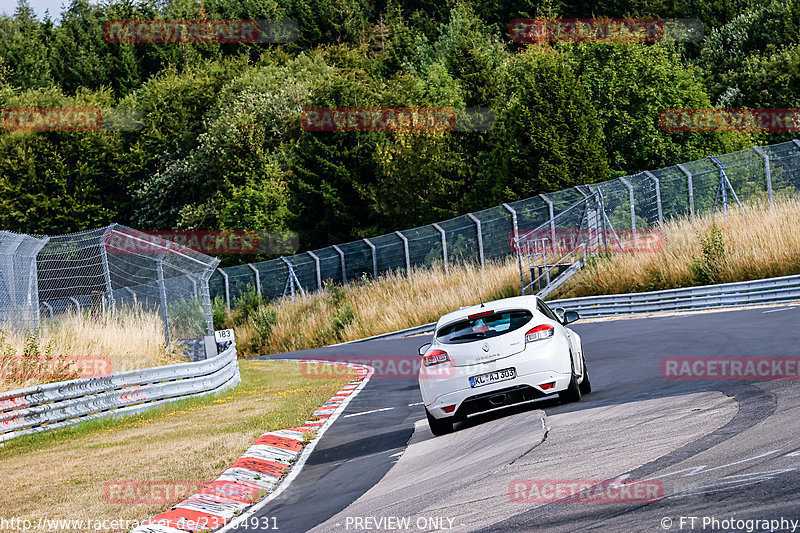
column 536, row 363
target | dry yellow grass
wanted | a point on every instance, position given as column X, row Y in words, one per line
column 54, row 476
column 762, row 242
column 390, row 303
column 134, row 340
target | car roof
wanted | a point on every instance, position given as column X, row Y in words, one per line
column 515, row 302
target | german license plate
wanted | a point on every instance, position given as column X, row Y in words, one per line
column 493, row 377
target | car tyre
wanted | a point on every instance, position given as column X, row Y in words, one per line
column 573, row 392
column 439, row 426
column 586, row 385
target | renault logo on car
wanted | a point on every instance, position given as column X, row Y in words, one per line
column 485, row 346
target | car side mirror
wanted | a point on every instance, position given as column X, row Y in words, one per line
column 559, row 311
column 424, row 348
column 571, row 316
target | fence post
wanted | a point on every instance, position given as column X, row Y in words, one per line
column 691, row 189
column 107, row 272
column 633, row 209
column 658, row 195
column 767, row 172
column 319, row 275
column 405, row 249
column 162, row 292
column 227, row 289
column 444, row 248
column 480, row 236
column 205, row 296
column 341, row 256
column 258, row 279
column 552, row 220
column 516, row 245
column 374, row 259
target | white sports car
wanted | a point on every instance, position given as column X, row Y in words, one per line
column 493, row 355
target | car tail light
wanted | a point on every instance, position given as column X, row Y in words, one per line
column 449, row 408
column 435, row 357
column 540, row 333
column 547, row 386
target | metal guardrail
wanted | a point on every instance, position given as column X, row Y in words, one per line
column 44, row 407
column 759, row 292
column 763, row 291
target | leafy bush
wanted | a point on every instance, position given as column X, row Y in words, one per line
column 707, row 269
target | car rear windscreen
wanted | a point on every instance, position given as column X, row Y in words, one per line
column 483, row 327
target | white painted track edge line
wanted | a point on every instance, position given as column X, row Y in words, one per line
column 301, row 461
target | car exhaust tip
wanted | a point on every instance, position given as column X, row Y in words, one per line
column 498, row 400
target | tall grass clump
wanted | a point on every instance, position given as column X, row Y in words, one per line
column 759, row 242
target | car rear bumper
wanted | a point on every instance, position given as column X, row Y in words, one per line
column 468, row 401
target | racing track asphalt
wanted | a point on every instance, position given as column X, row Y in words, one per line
column 622, row 357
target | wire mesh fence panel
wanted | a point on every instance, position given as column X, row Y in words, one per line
column 424, row 246
column 746, row 176
column 705, row 183
column 498, row 231
column 784, row 162
column 390, row 253
column 241, row 280
column 19, row 295
column 658, row 195
column 358, row 259
column 674, row 183
column 461, row 235
column 102, row 271
column 272, row 276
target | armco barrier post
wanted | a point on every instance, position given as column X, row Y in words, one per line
column 480, row 236
column 444, row 248
column 767, row 172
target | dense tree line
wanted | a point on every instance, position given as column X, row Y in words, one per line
column 220, row 144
